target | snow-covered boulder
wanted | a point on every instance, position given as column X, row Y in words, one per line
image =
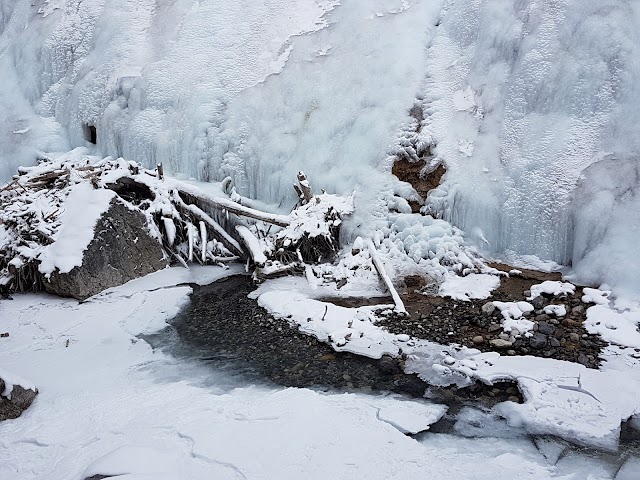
column 122, row 249
column 16, row 395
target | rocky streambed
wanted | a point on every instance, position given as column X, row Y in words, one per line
column 477, row 323
column 223, row 327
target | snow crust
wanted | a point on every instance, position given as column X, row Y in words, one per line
column 109, row 402
column 473, row 286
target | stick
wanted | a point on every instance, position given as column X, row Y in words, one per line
column 160, row 171
column 203, row 237
column 253, row 245
column 377, row 263
column 305, row 187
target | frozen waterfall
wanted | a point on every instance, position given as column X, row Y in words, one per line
column 519, row 98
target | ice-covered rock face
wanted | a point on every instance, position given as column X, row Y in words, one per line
column 519, row 97
column 540, row 89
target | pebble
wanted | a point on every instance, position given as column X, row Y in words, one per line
column 546, row 328
column 538, row 341
column 574, row 337
column 488, row 308
column 554, row 342
column 542, row 318
column 538, row 302
column 500, row 343
column 478, row 340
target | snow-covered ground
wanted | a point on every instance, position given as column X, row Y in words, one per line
column 564, row 399
column 109, row 404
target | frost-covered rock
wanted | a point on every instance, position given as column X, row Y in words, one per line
column 16, row 395
column 121, row 249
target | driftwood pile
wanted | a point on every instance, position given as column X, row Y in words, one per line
column 192, row 226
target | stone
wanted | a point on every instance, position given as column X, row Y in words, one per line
column 538, row 341
column 546, row 328
column 542, row 318
column 478, row 340
column 574, row 337
column 579, row 310
column 20, row 398
column 122, row 249
column 527, row 293
column 582, row 358
column 488, row 308
column 494, row 327
column 504, row 336
column 500, row 343
column 388, row 365
column 554, row 342
column 511, row 352
column 538, row 302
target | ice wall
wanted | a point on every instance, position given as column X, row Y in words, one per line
column 522, row 96
column 519, row 98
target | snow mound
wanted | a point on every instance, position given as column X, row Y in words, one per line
column 553, row 288
column 473, row 286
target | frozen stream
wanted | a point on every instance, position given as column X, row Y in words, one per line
column 223, row 340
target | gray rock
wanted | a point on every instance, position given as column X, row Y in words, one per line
column 478, row 340
column 121, row 250
column 538, row 341
column 537, row 302
column 574, row 337
column 546, row 328
column 389, row 365
column 20, row 400
column 488, row 308
column 542, row 318
column 500, row 343
column 554, row 342
column 494, row 327
column 579, row 310
column 527, row 293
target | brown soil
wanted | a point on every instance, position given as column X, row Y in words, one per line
column 410, row 172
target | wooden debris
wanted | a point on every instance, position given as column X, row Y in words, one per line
column 377, row 263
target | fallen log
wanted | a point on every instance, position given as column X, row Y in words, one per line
column 377, row 263
column 191, row 197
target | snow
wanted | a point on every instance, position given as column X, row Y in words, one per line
column 411, row 416
column 10, row 380
column 131, row 459
column 619, row 327
column 557, row 310
column 551, row 287
column 593, row 295
column 119, row 407
column 473, row 286
column 82, row 209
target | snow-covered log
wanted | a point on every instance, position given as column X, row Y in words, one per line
column 377, row 263
column 253, row 245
